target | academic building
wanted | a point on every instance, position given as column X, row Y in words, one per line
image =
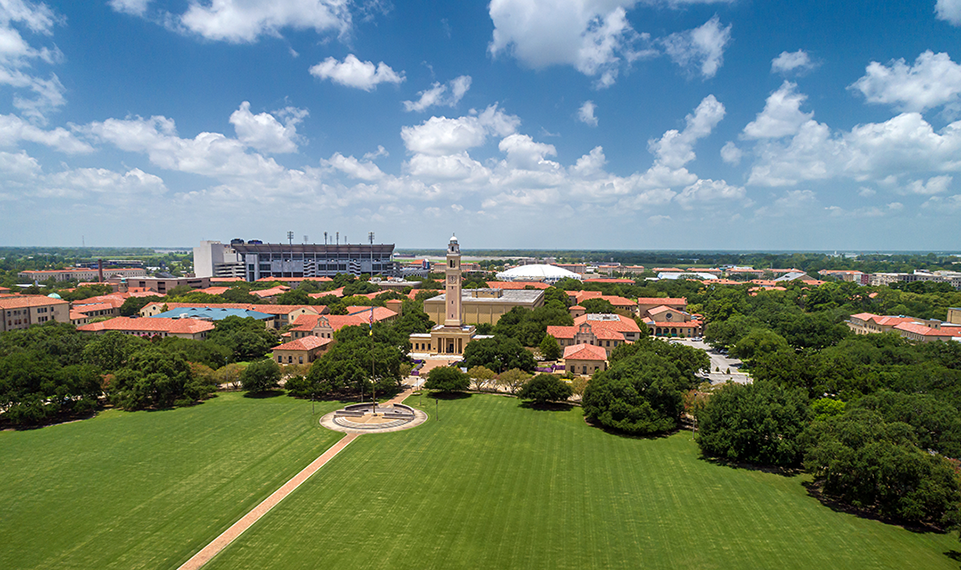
column 485, row 305
column 22, row 311
column 451, row 337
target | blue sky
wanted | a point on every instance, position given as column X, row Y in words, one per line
column 515, row 123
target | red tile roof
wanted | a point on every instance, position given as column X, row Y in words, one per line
column 558, row 331
column 617, row 301
column 272, row 292
column 584, row 352
column 621, row 324
column 516, row 284
column 225, row 279
column 306, row 343
column 604, row 333
column 25, row 301
column 150, row 325
column 114, row 300
column 609, row 280
column 93, row 308
column 335, row 292
column 923, row 330
column 214, row 290
column 306, row 323
column 380, row 313
column 662, row 301
column 259, row 307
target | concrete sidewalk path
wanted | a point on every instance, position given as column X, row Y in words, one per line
column 228, row 536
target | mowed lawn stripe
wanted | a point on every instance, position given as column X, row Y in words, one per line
column 496, row 485
column 146, row 489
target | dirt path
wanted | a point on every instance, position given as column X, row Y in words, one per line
column 235, row 530
column 228, row 536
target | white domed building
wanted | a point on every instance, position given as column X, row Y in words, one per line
column 546, row 273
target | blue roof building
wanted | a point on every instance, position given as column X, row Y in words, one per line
column 212, row 314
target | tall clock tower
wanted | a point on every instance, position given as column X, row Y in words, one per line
column 452, row 315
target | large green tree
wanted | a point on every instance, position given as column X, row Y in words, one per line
column 864, row 461
column 545, row 388
column 447, row 379
column 529, row 326
column 357, row 359
column 260, row 376
column 550, row 349
column 154, row 378
column 498, row 354
column 754, row 423
column 246, row 337
column 641, row 394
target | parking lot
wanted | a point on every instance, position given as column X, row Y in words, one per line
column 720, row 364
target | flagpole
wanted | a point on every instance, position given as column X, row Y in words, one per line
column 370, row 323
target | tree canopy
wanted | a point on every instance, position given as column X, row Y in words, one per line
column 447, row 379
column 261, row 375
column 545, row 388
column 498, row 354
column 754, row 423
column 639, row 395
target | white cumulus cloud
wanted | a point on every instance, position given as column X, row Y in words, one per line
column 441, row 136
column 949, row 11
column 792, row 62
column 593, row 36
column 586, row 113
column 709, row 191
column 701, row 48
column 132, row 7
column 781, row 116
column 934, row 185
column 731, row 154
column 34, row 95
column 676, row 148
column 932, row 81
column 13, row 129
column 245, row 21
column 264, row 132
column 355, row 73
column 441, row 95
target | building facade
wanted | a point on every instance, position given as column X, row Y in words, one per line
column 451, row 337
column 80, row 274
column 215, row 259
column 23, row 311
column 258, row 260
column 194, row 329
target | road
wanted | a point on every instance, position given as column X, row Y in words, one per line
column 720, row 364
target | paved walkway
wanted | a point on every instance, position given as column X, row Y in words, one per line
column 235, row 530
column 260, row 510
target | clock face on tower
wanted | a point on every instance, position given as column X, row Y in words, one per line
column 452, row 279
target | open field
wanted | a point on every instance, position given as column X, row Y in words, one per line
column 493, row 485
column 147, row 489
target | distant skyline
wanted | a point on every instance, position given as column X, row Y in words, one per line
column 516, row 124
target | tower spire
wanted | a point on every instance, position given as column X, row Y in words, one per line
column 452, row 315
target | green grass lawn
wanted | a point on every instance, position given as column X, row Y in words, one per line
column 147, row 489
column 494, row 485
column 491, row 485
